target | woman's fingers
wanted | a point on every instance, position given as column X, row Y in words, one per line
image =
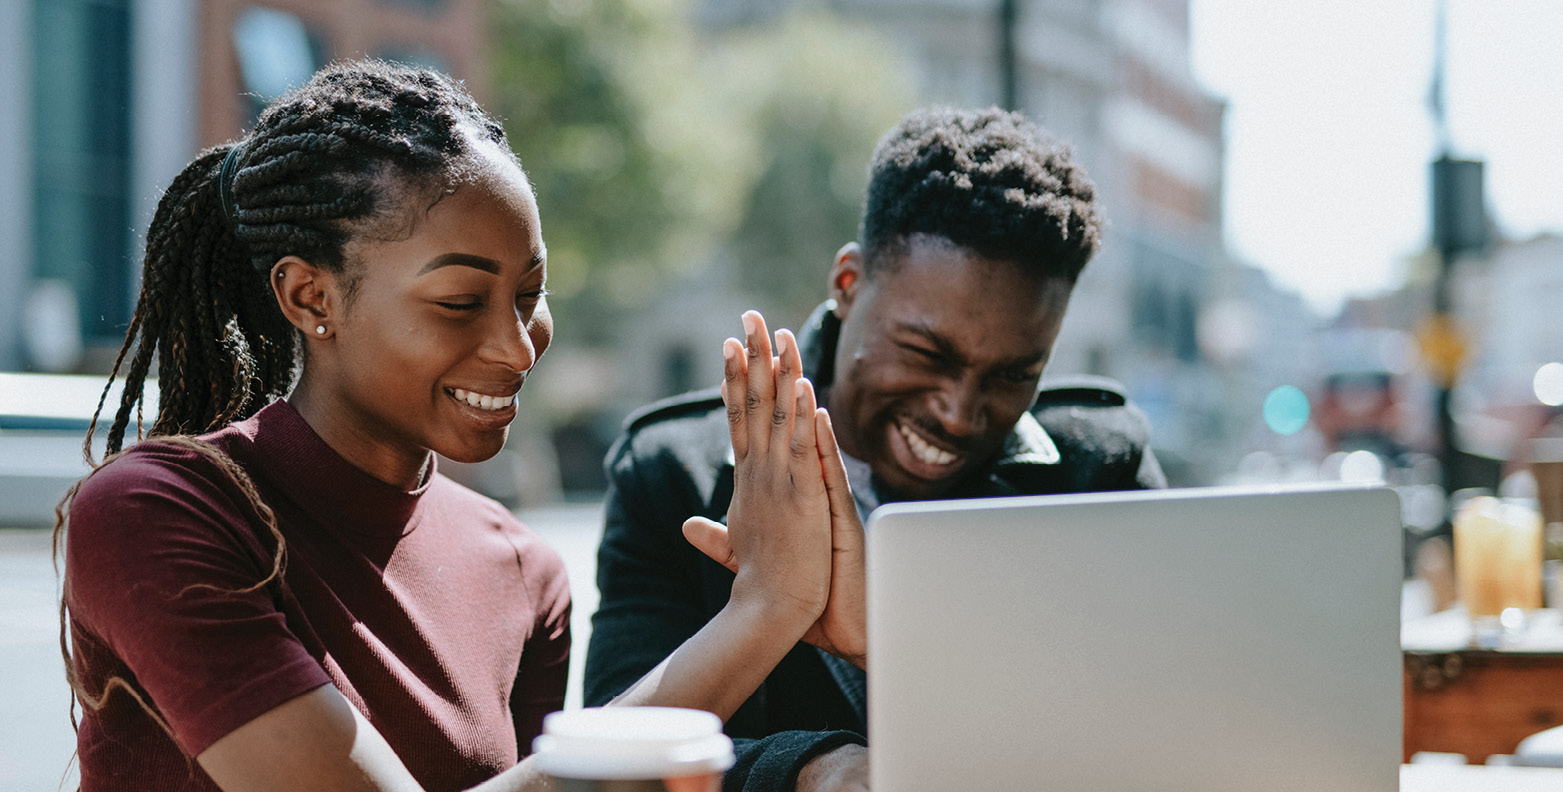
column 784, row 412
column 760, row 392
column 735, row 382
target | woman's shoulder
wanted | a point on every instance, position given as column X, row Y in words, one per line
column 473, row 510
column 155, row 518
column 161, row 486
column 156, row 466
column 464, row 504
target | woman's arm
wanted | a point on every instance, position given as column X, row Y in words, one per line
column 317, row 741
column 779, row 541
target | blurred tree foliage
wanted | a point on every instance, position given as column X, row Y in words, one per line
column 577, row 112
column 659, row 149
column 820, row 94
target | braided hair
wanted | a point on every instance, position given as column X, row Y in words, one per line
column 990, row 181
column 325, row 163
column 333, row 161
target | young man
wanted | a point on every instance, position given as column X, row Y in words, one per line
column 928, row 357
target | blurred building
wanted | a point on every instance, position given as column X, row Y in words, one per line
column 1507, row 310
column 1254, row 338
column 108, row 99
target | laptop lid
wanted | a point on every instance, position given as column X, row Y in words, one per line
column 1206, row 639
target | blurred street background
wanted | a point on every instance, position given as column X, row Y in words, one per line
column 1333, row 248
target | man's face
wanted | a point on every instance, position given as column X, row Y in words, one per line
column 940, row 354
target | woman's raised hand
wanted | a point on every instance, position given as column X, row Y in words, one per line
column 778, row 536
column 814, row 473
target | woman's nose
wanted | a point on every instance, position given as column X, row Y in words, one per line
column 511, row 344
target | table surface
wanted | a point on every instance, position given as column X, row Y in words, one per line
column 1450, row 631
column 1439, row 777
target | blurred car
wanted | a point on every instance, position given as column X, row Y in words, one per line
column 43, row 421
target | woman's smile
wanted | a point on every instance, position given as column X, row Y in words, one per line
column 482, row 401
column 484, row 411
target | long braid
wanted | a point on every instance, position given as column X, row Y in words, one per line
column 322, row 163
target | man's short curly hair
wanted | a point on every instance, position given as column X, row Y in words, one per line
column 987, row 180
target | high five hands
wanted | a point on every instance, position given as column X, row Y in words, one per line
column 793, row 536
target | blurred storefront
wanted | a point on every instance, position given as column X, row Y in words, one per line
column 108, row 99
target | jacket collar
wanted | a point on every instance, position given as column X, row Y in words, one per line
column 817, row 344
column 1027, row 444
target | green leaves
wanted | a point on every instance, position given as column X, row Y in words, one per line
column 659, row 149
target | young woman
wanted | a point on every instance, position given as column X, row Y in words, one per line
column 277, row 589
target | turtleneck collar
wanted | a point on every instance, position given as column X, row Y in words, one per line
column 294, row 459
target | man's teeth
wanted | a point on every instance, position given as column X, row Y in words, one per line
column 482, row 402
column 923, row 451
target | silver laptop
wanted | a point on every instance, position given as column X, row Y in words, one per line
column 1210, row 639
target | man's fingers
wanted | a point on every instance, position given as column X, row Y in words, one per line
column 734, row 384
column 805, row 459
column 712, row 539
column 843, row 509
column 760, row 391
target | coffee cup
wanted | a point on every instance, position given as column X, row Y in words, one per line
column 633, row 749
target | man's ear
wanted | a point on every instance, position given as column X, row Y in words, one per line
column 306, row 294
column 846, row 278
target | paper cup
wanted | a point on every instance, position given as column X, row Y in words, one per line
column 634, row 749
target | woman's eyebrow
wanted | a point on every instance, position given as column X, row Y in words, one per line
column 463, row 260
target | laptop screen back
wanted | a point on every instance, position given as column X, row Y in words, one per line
column 1205, row 639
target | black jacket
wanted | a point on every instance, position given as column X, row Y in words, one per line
column 674, row 461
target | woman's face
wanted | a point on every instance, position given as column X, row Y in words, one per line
column 441, row 331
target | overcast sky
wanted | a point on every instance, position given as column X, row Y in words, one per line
column 1329, row 133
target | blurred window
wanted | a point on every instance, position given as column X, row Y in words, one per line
column 275, row 53
column 1166, row 309
column 82, row 215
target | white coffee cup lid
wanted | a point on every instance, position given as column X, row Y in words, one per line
column 632, row 743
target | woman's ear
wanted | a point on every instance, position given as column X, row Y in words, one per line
column 846, row 277
column 306, row 294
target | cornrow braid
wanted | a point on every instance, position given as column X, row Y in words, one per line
column 323, row 162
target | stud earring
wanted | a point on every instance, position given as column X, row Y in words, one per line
column 320, row 329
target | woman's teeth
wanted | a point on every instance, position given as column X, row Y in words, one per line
column 922, row 450
column 482, row 402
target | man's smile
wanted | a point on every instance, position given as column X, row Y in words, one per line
column 919, row 455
